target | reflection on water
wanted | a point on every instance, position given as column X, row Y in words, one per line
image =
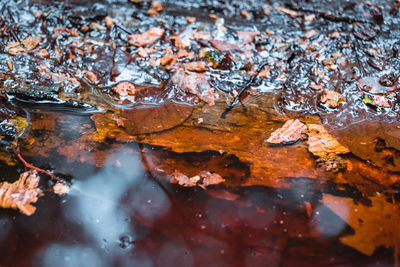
column 94, row 202
column 69, row 255
column 330, row 226
column 119, row 215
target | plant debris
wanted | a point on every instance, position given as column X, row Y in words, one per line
column 332, row 99
column 374, row 225
column 291, row 132
column 196, row 84
column 322, row 145
column 202, row 179
column 22, row 193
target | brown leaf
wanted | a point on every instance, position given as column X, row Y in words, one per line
column 202, row 179
column 184, row 180
column 198, row 66
column 290, row 132
column 374, row 226
column 21, row 193
column 223, row 46
column 60, row 189
column 381, row 101
column 210, row 179
column 30, row 43
column 145, row 38
column 287, row 11
column 123, row 89
column 196, row 84
column 247, row 37
column 332, row 99
column 322, row 144
column 142, row 119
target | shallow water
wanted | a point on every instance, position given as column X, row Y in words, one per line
column 277, row 207
column 121, row 215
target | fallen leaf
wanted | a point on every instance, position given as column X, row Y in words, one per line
column 21, row 193
column 30, row 43
column 60, row 189
column 287, row 11
column 376, row 225
column 322, row 144
column 210, row 179
column 196, row 84
column 202, row 179
column 145, row 38
column 332, row 99
column 291, row 132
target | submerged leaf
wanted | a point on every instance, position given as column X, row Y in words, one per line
column 376, row 225
column 202, row 179
column 322, row 144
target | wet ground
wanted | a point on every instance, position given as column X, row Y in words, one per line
column 118, row 153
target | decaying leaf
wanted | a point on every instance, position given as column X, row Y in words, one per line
column 291, row 132
column 202, row 179
column 332, row 99
column 60, row 189
column 381, row 101
column 196, row 84
column 30, row 43
column 326, row 148
column 322, row 144
column 376, row 225
column 333, row 164
column 145, row 38
column 21, row 193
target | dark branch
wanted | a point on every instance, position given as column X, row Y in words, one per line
column 244, row 88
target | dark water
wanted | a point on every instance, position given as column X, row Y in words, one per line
column 120, row 215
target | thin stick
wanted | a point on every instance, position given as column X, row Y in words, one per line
column 30, row 166
column 122, row 28
column 247, row 85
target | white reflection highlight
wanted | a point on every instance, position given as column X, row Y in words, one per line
column 328, row 223
column 62, row 255
column 5, row 226
column 139, row 260
column 96, row 201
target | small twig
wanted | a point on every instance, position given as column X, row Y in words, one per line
column 30, row 166
column 13, row 34
column 122, row 28
column 355, row 50
column 247, row 85
column 328, row 15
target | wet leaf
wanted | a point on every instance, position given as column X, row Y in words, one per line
column 366, row 100
column 292, row 131
column 143, row 119
column 322, row 144
column 202, row 179
column 332, row 99
column 21, row 194
column 374, row 226
column 361, row 138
